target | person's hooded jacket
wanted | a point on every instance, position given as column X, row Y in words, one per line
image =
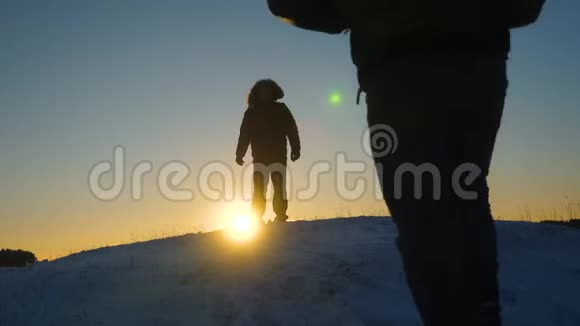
column 267, row 128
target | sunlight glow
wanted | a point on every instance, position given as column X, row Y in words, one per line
column 243, row 228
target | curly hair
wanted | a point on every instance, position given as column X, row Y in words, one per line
column 275, row 91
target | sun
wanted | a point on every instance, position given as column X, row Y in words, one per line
column 243, row 228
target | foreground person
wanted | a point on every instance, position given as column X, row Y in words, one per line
column 435, row 73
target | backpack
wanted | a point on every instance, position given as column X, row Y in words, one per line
column 520, row 13
column 400, row 16
column 317, row 15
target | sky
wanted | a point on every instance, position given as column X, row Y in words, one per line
column 168, row 82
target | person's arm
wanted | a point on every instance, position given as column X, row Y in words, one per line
column 243, row 140
column 317, row 15
column 293, row 135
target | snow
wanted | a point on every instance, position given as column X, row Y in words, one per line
column 326, row 272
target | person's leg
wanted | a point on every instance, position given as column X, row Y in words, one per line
column 430, row 104
column 260, row 178
column 280, row 201
column 403, row 96
column 486, row 98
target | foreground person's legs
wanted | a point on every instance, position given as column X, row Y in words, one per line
column 480, row 255
column 445, row 111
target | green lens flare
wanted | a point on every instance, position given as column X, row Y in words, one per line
column 335, row 98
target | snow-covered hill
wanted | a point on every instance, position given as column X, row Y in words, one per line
column 330, row 272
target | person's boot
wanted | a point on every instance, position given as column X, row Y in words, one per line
column 281, row 218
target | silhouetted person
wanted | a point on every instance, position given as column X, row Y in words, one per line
column 266, row 125
column 434, row 71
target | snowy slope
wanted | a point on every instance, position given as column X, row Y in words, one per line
column 331, row 272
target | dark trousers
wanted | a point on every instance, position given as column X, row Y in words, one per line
column 445, row 111
column 262, row 175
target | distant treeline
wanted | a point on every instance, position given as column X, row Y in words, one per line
column 16, row 258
